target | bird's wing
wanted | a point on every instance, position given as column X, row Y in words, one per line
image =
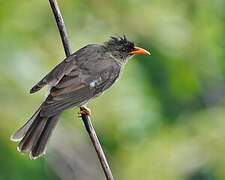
column 56, row 74
column 76, row 91
column 68, row 65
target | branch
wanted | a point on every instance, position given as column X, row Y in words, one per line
column 61, row 27
column 86, row 119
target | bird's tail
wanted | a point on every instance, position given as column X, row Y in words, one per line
column 34, row 135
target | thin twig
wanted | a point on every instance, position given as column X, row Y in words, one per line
column 101, row 156
column 61, row 27
column 86, row 119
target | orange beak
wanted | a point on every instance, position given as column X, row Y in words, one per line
column 140, row 51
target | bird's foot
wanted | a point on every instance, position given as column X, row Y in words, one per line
column 84, row 111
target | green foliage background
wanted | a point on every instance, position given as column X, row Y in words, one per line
column 165, row 118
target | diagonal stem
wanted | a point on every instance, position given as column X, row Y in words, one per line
column 86, row 119
column 61, row 27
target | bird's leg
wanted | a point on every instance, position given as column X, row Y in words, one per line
column 84, row 111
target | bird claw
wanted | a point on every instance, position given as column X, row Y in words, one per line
column 84, row 111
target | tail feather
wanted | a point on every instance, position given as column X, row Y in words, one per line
column 39, row 148
column 32, row 135
column 35, row 134
column 19, row 134
column 38, row 86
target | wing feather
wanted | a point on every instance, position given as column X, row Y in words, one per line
column 74, row 95
column 56, row 74
column 70, row 65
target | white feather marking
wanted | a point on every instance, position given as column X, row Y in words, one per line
column 15, row 139
column 92, row 84
column 95, row 82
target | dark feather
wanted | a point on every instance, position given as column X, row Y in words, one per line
column 67, row 97
column 52, row 78
column 32, row 135
column 36, row 137
column 40, row 146
column 120, row 42
column 20, row 133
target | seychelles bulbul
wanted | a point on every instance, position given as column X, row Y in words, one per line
column 79, row 78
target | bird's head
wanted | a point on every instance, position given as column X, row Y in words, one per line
column 123, row 49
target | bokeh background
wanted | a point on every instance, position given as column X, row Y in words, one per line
column 165, row 118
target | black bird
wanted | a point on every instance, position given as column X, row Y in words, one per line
column 79, row 78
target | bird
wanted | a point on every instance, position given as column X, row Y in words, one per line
column 79, row 78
